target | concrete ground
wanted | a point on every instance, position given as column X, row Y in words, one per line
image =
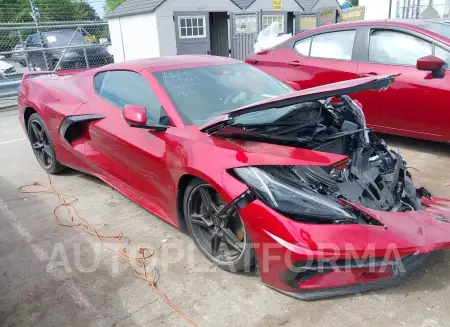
column 56, row 276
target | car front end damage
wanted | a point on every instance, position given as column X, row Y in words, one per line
column 319, row 231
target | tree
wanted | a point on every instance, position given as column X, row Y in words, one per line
column 110, row 5
column 15, row 11
column 84, row 11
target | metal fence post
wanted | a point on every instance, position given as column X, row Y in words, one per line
column 23, row 47
column 84, row 51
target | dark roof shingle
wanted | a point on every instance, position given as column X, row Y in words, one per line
column 306, row 4
column 134, row 7
column 243, row 4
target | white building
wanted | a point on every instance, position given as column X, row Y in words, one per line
column 153, row 28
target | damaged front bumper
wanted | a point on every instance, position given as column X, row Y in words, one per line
column 351, row 279
column 309, row 261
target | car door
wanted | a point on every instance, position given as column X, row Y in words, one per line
column 322, row 59
column 134, row 157
column 414, row 105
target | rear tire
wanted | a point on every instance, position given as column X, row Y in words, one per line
column 234, row 251
column 42, row 145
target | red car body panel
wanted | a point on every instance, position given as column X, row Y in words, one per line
column 414, row 105
column 149, row 167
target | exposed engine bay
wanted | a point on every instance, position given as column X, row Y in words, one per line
column 374, row 176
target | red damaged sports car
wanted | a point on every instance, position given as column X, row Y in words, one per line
column 292, row 182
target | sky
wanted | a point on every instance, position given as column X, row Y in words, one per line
column 98, row 6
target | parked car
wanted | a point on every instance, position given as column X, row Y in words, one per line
column 7, row 70
column 416, row 104
column 256, row 172
column 17, row 56
column 74, row 58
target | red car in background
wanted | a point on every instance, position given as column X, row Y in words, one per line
column 416, row 103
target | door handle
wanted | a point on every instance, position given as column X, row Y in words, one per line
column 295, row 63
column 368, row 74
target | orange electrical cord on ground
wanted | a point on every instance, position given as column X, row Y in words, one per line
column 76, row 220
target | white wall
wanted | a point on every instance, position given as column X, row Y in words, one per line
column 116, row 39
column 134, row 37
column 378, row 9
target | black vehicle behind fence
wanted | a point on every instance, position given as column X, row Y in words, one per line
column 65, row 49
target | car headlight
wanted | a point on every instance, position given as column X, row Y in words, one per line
column 292, row 199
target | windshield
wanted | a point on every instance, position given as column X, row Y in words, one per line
column 204, row 93
column 63, row 38
column 438, row 28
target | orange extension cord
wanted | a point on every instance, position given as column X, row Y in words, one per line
column 77, row 221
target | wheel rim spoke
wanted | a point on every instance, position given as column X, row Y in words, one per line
column 207, row 200
column 37, row 145
column 40, row 144
column 46, row 149
column 35, row 131
column 200, row 220
column 231, row 239
column 215, row 244
column 41, row 133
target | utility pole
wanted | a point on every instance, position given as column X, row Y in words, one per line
column 35, row 15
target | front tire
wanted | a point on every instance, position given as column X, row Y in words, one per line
column 225, row 242
column 42, row 145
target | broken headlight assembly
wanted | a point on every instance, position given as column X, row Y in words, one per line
column 291, row 199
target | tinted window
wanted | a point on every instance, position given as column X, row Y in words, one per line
column 58, row 39
column 204, row 93
column 335, row 45
column 303, row 47
column 34, row 41
column 124, row 87
column 443, row 54
column 397, row 48
column 439, row 28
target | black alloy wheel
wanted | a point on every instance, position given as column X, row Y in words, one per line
column 223, row 239
column 42, row 145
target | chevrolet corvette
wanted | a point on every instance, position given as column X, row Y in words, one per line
column 291, row 184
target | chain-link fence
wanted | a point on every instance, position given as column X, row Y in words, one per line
column 417, row 9
column 51, row 47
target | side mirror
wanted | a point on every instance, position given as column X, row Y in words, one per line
column 2, row 57
column 433, row 64
column 135, row 115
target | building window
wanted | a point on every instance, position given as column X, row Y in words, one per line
column 308, row 22
column 269, row 19
column 246, row 24
column 191, row 27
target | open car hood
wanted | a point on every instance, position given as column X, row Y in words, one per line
column 307, row 95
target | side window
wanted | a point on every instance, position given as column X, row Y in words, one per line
column 125, row 87
column 443, row 54
column 303, row 47
column 34, row 41
column 397, row 48
column 334, row 45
